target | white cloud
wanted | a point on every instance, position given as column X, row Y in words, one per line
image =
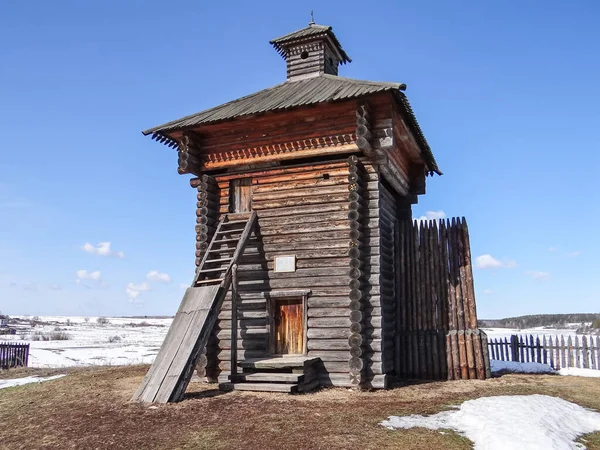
column 487, row 261
column 85, row 275
column 102, row 249
column 55, row 287
column 90, row 279
column 551, row 249
column 184, row 286
column 134, row 290
column 574, row 254
column 487, row 291
column 161, row 277
column 432, row 215
column 538, row 275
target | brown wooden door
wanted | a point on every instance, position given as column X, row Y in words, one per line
column 288, row 333
column 240, row 195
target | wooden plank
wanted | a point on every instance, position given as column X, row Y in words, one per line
column 234, row 318
column 260, row 387
column 153, row 378
column 199, row 309
column 585, row 353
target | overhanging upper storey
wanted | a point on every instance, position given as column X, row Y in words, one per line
column 306, row 117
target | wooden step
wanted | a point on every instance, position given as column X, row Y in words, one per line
column 268, row 377
column 210, row 261
column 222, row 241
column 214, row 280
column 235, row 222
column 237, row 230
column 260, row 387
column 222, row 250
column 285, row 362
column 219, row 269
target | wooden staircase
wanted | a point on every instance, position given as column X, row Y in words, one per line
column 225, row 249
column 171, row 372
column 288, row 374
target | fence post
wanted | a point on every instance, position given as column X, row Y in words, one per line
column 584, row 350
column 514, row 347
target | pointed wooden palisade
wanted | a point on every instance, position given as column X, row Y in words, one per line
column 169, row 375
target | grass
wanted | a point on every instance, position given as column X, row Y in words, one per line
column 90, row 408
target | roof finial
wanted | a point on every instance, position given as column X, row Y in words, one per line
column 312, row 18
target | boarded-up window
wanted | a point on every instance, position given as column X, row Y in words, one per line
column 240, row 195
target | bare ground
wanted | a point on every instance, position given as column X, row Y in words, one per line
column 90, row 409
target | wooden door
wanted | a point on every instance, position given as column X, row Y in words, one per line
column 288, row 329
column 240, row 195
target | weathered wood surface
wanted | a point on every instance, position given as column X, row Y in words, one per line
column 13, row 355
column 191, row 327
column 581, row 352
column 437, row 334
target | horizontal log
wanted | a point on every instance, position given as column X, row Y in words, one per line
column 328, row 333
column 298, row 210
column 316, row 190
column 328, row 344
column 330, row 355
column 328, row 312
column 328, row 322
column 226, row 314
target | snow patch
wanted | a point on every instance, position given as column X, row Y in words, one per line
column 26, row 380
column 523, row 422
column 593, row 373
column 499, row 367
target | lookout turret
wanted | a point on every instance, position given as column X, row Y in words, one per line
column 310, row 52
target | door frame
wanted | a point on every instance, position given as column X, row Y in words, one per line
column 271, row 298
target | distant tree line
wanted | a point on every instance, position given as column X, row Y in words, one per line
column 542, row 320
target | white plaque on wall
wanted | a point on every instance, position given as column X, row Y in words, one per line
column 285, row 263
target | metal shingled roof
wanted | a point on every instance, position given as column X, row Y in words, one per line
column 291, row 94
column 323, row 88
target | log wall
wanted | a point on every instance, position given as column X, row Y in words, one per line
column 437, row 334
column 301, row 211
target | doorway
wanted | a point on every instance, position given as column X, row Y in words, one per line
column 240, row 195
column 288, row 328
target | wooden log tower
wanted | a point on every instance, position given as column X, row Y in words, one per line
column 335, row 285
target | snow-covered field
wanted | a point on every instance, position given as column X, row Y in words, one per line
column 569, row 330
column 519, row 422
column 125, row 340
column 121, row 341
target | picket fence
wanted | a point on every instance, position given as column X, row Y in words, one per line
column 556, row 351
column 13, row 355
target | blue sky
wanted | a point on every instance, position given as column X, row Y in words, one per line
column 507, row 95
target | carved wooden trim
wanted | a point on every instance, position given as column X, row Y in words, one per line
column 287, row 150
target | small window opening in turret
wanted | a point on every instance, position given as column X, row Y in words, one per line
column 331, row 60
column 326, row 176
column 304, row 55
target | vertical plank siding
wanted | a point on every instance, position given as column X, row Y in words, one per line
column 437, row 336
column 551, row 350
column 13, row 355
